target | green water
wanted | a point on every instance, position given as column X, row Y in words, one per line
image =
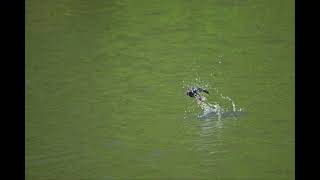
column 105, row 89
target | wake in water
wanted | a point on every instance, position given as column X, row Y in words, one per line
column 215, row 109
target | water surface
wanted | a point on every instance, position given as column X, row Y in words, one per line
column 105, row 89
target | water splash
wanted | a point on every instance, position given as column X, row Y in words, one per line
column 211, row 109
column 222, row 108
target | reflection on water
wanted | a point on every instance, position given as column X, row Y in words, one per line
column 208, row 117
column 208, row 143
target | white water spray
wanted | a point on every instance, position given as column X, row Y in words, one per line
column 219, row 110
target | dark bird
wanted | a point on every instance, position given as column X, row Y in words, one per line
column 193, row 92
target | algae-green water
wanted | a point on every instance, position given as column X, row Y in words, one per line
column 106, row 81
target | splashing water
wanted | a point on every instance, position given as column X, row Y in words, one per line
column 210, row 109
column 225, row 108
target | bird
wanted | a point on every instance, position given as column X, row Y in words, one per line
column 195, row 92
